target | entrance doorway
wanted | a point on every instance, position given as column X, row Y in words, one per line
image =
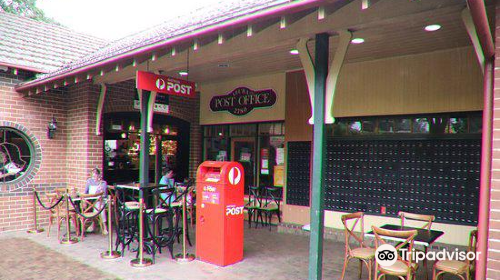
column 169, row 147
column 243, row 151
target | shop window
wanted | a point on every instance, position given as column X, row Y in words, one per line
column 271, row 129
column 386, row 126
column 16, row 152
column 475, row 124
column 402, row 126
column 354, row 127
column 420, row 125
column 215, row 131
column 438, row 124
column 242, row 130
column 216, row 148
column 458, row 125
column 368, row 127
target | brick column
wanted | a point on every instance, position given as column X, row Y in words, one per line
column 493, row 262
column 84, row 147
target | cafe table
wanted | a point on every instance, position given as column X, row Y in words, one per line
column 425, row 237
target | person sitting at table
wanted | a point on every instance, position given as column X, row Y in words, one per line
column 168, row 180
column 94, row 185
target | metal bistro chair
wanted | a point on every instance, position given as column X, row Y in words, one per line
column 182, row 191
column 427, row 224
column 159, row 224
column 362, row 252
column 253, row 204
column 457, row 267
column 125, row 221
column 404, row 269
column 271, row 203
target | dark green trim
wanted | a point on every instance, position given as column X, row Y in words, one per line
column 319, row 148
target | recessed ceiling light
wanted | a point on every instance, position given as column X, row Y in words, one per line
column 294, row 51
column 358, row 41
column 183, row 73
column 432, row 27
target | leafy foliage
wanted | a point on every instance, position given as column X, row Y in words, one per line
column 26, row 8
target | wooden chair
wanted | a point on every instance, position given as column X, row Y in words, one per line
column 404, row 269
column 361, row 252
column 427, row 219
column 90, row 205
column 457, row 267
column 427, row 224
column 58, row 213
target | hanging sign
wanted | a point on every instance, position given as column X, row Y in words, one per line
column 242, row 100
column 161, row 104
column 164, row 84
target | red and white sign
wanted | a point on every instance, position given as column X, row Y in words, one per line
column 234, row 175
column 164, row 84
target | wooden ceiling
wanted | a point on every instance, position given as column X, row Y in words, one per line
column 390, row 28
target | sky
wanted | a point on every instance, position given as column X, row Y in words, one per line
column 115, row 19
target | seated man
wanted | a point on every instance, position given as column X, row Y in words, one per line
column 95, row 184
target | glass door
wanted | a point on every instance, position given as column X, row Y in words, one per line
column 243, row 151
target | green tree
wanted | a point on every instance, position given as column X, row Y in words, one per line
column 26, row 8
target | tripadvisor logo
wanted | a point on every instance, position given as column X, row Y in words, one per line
column 386, row 255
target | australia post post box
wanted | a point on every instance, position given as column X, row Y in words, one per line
column 219, row 212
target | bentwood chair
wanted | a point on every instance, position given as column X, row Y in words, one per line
column 91, row 206
column 59, row 212
column 362, row 252
column 457, row 267
column 404, row 268
column 425, row 223
column 426, row 219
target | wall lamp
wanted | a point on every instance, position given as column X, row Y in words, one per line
column 51, row 128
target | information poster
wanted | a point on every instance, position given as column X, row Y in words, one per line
column 280, row 156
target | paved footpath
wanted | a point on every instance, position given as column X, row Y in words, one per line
column 268, row 255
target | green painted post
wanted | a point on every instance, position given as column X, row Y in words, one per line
column 317, row 193
column 144, row 151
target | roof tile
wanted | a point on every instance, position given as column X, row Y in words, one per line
column 32, row 44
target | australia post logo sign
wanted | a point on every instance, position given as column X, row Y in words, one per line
column 240, row 101
column 164, row 84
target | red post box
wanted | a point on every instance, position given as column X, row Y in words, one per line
column 219, row 212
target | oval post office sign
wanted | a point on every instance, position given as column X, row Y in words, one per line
column 240, row 101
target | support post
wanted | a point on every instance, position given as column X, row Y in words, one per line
column 317, row 194
column 144, row 145
column 35, row 228
column 485, row 179
column 100, row 108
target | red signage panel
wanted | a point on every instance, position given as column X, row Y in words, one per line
column 164, row 84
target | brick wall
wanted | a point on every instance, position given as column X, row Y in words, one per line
column 31, row 115
column 493, row 265
column 67, row 159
